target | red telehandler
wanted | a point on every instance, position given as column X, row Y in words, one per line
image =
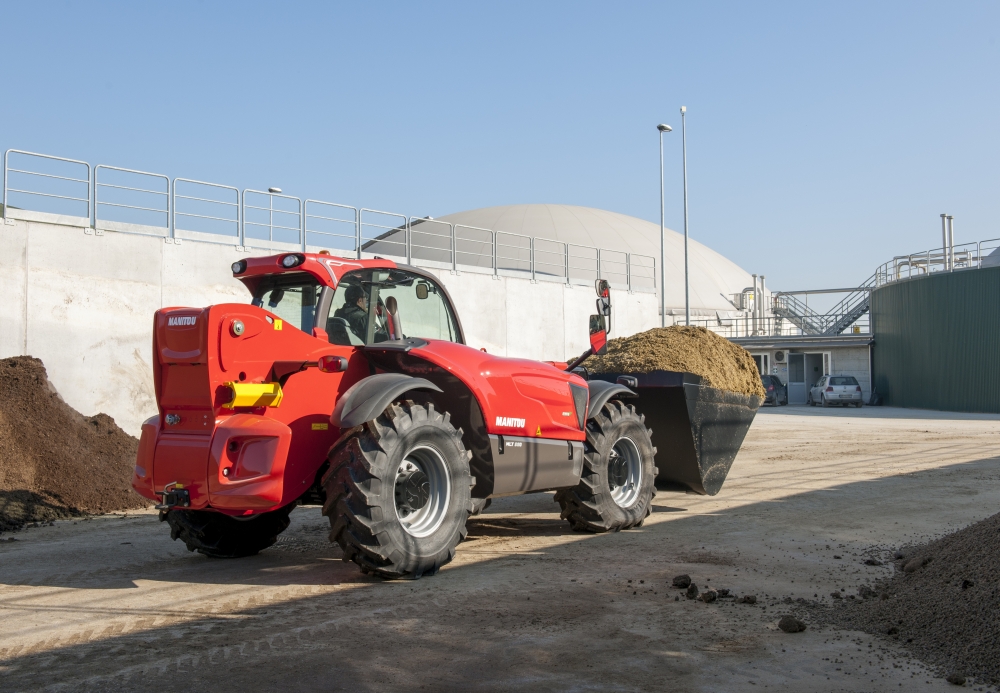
column 348, row 383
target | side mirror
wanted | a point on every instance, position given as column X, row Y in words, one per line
column 421, row 291
column 598, row 335
column 603, row 297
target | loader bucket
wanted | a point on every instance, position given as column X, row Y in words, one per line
column 697, row 429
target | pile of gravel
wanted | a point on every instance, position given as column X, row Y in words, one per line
column 55, row 462
column 943, row 602
column 718, row 361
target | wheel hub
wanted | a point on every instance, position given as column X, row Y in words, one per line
column 624, row 472
column 412, row 489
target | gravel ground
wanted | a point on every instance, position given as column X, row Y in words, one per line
column 112, row 604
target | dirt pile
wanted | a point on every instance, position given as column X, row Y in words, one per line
column 943, row 602
column 55, row 462
column 718, row 361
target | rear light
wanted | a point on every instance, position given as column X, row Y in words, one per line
column 770, row 388
column 829, row 389
column 239, row 267
column 293, row 260
column 859, row 388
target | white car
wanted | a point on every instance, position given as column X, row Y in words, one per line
column 835, row 389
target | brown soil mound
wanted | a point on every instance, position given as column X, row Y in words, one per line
column 697, row 350
column 55, row 462
column 943, row 602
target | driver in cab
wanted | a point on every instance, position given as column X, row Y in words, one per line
column 355, row 311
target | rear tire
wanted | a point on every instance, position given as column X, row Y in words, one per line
column 398, row 492
column 822, row 399
column 221, row 536
column 618, row 482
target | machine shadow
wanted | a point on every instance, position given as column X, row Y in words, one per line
column 391, row 613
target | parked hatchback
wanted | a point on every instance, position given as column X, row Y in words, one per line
column 775, row 391
column 835, row 389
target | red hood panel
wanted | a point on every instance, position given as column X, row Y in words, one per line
column 518, row 396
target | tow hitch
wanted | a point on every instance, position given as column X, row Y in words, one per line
column 174, row 495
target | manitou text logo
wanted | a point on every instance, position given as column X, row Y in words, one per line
column 508, row 422
column 177, row 321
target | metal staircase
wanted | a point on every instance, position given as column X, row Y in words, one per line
column 828, row 324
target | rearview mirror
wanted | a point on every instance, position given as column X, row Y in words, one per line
column 421, row 291
column 598, row 335
column 603, row 297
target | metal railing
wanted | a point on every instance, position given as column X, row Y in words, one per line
column 40, row 186
column 745, row 326
column 128, row 207
column 973, row 255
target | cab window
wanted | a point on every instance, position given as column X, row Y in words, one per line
column 365, row 301
column 292, row 297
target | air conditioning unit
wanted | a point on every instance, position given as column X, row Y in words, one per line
column 779, row 357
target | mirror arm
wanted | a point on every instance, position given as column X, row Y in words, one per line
column 579, row 360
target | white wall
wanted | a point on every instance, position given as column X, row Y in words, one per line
column 84, row 303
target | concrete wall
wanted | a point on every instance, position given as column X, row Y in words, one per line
column 83, row 303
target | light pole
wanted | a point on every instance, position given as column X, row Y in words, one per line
column 687, row 285
column 663, row 289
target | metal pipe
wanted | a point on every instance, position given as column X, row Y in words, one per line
column 951, row 242
column 763, row 317
column 944, row 238
column 687, row 285
column 754, row 311
column 663, row 254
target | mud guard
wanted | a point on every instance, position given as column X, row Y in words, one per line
column 601, row 392
column 369, row 397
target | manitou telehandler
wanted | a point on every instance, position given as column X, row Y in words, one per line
column 348, row 383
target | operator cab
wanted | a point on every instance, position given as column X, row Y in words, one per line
column 367, row 307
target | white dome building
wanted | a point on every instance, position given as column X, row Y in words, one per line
column 714, row 279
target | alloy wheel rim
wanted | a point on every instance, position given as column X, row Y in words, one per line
column 421, row 491
column 625, row 472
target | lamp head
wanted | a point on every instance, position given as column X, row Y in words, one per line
column 664, row 128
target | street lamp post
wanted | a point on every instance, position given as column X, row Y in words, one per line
column 663, row 253
column 687, row 284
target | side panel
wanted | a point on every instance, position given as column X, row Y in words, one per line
column 534, row 464
column 246, row 469
column 142, row 478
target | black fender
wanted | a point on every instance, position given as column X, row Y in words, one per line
column 369, row 397
column 601, row 392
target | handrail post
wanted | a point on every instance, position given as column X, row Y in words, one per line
column 408, row 237
column 566, row 261
column 302, row 223
column 357, row 229
column 170, row 209
column 92, row 182
column 495, row 273
column 599, row 268
column 5, row 155
column 454, row 250
column 628, row 271
column 241, row 219
column 531, row 256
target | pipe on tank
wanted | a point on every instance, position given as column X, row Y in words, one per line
column 763, row 315
column 944, row 239
column 951, row 242
column 755, row 301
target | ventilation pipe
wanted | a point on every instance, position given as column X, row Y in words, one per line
column 763, row 316
column 951, row 242
column 755, row 299
column 944, row 240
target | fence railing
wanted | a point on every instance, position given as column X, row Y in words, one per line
column 39, row 186
column 746, row 326
column 960, row 257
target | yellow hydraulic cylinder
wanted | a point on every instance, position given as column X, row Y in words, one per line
column 254, row 395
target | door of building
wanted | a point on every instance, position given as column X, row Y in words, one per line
column 763, row 362
column 796, row 379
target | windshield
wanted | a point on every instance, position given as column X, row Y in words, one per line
column 292, row 297
column 365, row 301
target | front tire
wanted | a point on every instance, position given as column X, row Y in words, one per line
column 398, row 492
column 618, row 482
column 221, row 536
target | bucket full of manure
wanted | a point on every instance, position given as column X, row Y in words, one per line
column 699, row 394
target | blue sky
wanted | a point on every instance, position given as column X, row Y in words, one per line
column 822, row 138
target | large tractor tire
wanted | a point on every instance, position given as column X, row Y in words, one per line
column 221, row 536
column 398, row 492
column 618, row 482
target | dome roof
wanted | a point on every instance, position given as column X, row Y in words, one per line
column 714, row 278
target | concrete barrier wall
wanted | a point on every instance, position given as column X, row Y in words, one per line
column 83, row 303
